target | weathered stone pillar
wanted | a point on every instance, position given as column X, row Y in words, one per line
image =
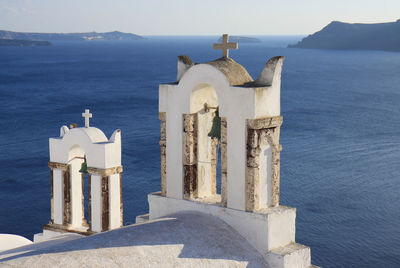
column 214, row 163
column 59, row 173
column 263, row 163
column 105, row 219
column 189, row 156
column 67, row 198
column 224, row 161
column 106, row 207
column 163, row 148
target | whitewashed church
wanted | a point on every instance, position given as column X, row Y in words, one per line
column 215, row 118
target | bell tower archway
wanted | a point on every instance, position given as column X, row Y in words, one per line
column 200, row 146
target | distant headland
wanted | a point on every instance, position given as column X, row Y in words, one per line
column 23, row 43
column 340, row 35
column 22, row 38
column 242, row 39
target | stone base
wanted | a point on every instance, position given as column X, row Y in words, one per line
column 142, row 218
column 270, row 231
column 272, row 228
column 292, row 255
column 52, row 230
column 49, row 234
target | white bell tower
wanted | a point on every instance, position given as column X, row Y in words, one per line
column 250, row 120
column 77, row 151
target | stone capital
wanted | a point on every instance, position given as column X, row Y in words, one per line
column 105, row 172
column 265, row 122
column 55, row 165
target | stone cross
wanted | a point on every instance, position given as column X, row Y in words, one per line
column 87, row 115
column 225, row 46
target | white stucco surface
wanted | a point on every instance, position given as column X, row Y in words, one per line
column 58, row 195
column 96, row 203
column 10, row 241
column 76, row 192
column 264, row 231
column 265, row 176
column 114, row 200
column 182, row 240
column 100, row 152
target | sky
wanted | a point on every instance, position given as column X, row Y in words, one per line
column 191, row 17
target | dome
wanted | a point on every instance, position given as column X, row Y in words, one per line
column 235, row 73
column 186, row 239
column 93, row 133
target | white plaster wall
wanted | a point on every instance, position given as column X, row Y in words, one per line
column 100, row 152
column 282, row 229
column 265, row 197
column 114, row 201
column 96, row 203
column 201, row 94
column 58, row 195
column 10, row 241
column 293, row 255
column 268, row 99
column 265, row 231
column 76, row 192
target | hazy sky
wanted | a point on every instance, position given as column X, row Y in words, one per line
column 190, row 17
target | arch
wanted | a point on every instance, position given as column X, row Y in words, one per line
column 100, row 151
column 204, row 76
column 201, row 94
column 75, row 151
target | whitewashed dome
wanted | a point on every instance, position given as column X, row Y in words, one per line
column 187, row 239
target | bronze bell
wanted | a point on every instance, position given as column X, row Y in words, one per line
column 84, row 167
column 216, row 127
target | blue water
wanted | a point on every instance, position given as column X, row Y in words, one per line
column 340, row 164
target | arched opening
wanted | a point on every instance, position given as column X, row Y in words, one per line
column 78, row 185
column 202, row 160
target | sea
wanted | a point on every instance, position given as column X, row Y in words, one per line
column 340, row 163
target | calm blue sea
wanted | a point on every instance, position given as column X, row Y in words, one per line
column 340, row 164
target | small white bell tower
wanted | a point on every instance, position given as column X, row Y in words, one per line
column 77, row 151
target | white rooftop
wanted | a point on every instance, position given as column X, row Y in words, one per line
column 183, row 240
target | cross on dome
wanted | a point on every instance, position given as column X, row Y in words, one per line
column 225, row 46
column 87, row 115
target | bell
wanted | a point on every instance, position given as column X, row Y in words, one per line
column 216, row 127
column 84, row 167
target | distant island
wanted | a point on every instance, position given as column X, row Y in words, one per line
column 16, row 37
column 241, row 39
column 23, row 43
column 340, row 35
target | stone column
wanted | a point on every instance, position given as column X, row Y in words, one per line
column 224, row 161
column 67, row 197
column 189, row 156
column 263, row 163
column 105, row 199
column 76, row 194
column 105, row 209
column 95, row 203
column 206, row 155
column 58, row 173
column 163, row 148
column 214, row 163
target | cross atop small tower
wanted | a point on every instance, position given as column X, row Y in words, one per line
column 87, row 115
column 225, row 46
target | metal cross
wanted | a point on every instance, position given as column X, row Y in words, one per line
column 87, row 115
column 225, row 46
